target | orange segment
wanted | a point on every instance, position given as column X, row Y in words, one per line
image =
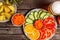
column 34, row 35
column 28, row 29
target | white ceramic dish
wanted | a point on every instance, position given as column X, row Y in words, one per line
column 38, row 10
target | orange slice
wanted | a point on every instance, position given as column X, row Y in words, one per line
column 34, row 35
column 28, row 28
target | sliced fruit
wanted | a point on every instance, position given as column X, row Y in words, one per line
column 42, row 34
column 6, row 9
column 49, row 23
column 29, row 20
column 38, row 24
column 1, row 9
column 1, row 3
column 34, row 35
column 7, row 15
column 2, row 18
column 53, row 30
column 28, row 28
column 11, row 8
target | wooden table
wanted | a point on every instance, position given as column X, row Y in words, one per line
column 10, row 32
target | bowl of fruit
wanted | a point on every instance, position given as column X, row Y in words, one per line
column 6, row 11
column 39, row 25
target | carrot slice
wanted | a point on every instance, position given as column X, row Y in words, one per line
column 18, row 19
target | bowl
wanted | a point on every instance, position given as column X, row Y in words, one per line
column 4, row 14
column 38, row 10
column 20, row 20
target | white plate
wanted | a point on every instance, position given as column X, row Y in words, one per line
column 38, row 10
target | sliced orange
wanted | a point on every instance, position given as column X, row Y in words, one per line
column 34, row 35
column 28, row 28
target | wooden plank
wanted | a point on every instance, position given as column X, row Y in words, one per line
column 29, row 4
column 12, row 37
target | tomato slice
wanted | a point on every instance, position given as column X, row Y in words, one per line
column 53, row 30
column 42, row 34
column 49, row 23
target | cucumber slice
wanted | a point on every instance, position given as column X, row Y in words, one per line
column 27, row 23
column 39, row 13
column 42, row 15
column 29, row 20
column 32, row 12
column 31, row 15
column 36, row 15
column 48, row 14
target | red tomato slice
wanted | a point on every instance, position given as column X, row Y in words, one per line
column 53, row 30
column 49, row 22
column 42, row 35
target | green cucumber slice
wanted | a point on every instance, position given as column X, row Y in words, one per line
column 27, row 23
column 31, row 15
column 42, row 15
column 39, row 13
column 32, row 12
column 29, row 20
column 36, row 15
column 48, row 14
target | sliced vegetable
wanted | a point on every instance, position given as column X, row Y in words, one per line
column 18, row 19
column 38, row 24
column 42, row 15
column 27, row 23
column 47, row 15
column 40, row 12
column 31, row 17
column 49, row 22
column 29, row 20
column 36, row 15
column 32, row 12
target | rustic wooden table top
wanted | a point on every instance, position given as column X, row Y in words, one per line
column 10, row 32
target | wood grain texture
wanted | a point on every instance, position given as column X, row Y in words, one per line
column 10, row 32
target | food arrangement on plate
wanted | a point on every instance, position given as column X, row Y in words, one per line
column 39, row 25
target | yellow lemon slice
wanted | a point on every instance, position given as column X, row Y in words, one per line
column 28, row 28
column 34, row 35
